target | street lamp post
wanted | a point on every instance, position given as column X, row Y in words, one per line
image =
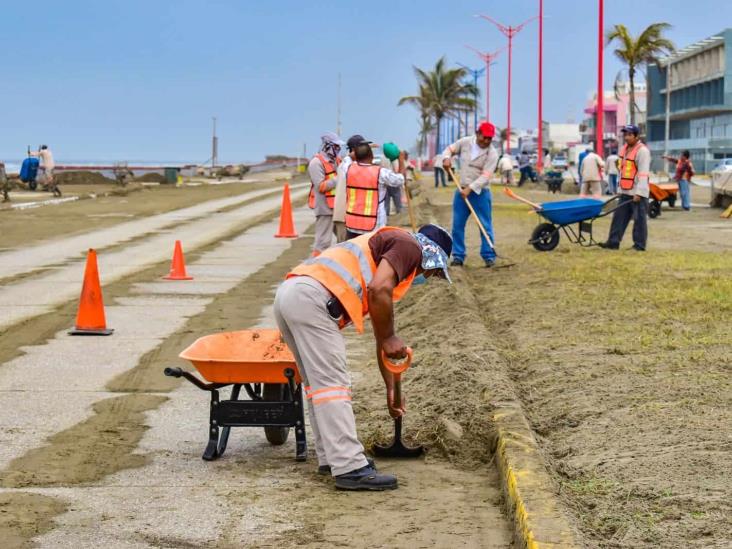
column 475, row 73
column 600, row 114
column 540, row 125
column 509, row 32
column 488, row 59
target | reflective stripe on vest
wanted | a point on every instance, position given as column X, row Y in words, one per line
column 362, row 197
column 330, row 173
column 628, row 166
column 346, row 270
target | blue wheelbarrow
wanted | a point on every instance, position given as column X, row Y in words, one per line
column 564, row 215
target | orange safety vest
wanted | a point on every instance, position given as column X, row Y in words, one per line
column 346, row 269
column 362, row 196
column 628, row 166
column 330, row 173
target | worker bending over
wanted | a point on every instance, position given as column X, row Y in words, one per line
column 366, row 185
column 322, row 172
column 478, row 161
column 48, row 165
column 343, row 285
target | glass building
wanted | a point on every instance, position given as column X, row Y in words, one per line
column 699, row 117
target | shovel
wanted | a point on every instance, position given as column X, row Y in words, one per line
column 397, row 449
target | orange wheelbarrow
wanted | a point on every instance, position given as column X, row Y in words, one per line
column 661, row 192
column 260, row 362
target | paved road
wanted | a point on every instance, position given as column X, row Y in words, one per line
column 37, row 295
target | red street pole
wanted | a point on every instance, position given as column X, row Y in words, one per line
column 600, row 114
column 508, row 32
column 489, row 59
column 487, row 89
column 508, row 116
column 540, row 143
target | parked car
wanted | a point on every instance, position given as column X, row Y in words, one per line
column 724, row 165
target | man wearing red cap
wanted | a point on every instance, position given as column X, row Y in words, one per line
column 478, row 160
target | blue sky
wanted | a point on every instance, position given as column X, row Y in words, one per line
column 140, row 80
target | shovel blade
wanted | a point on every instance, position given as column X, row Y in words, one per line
column 397, row 448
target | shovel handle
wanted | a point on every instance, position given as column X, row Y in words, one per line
column 513, row 195
column 400, row 366
column 487, row 237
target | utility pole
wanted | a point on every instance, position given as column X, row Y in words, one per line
column 540, row 125
column 600, row 114
column 488, row 59
column 338, row 114
column 214, row 145
column 475, row 73
column 667, row 129
column 509, row 32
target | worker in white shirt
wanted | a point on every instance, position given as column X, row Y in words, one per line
column 592, row 167
column 478, row 161
column 47, row 166
column 505, row 168
column 611, row 162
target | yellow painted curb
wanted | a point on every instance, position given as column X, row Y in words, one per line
column 530, row 492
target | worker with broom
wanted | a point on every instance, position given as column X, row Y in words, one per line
column 348, row 281
column 322, row 171
column 478, row 161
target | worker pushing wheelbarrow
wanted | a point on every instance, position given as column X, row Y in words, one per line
column 574, row 217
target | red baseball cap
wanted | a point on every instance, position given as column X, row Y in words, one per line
column 487, row 129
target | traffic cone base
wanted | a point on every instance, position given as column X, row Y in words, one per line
column 90, row 319
column 287, row 226
column 178, row 265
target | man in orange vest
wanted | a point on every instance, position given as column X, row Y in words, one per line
column 635, row 167
column 322, row 172
column 346, row 283
column 366, row 190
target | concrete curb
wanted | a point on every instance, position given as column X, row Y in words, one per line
column 530, row 491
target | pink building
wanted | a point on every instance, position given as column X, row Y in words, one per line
column 616, row 114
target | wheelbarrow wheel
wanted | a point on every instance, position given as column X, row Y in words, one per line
column 276, row 436
column 545, row 237
column 654, row 210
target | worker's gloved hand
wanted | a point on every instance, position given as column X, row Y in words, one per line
column 394, row 411
column 394, row 348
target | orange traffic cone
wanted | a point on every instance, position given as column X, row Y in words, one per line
column 90, row 318
column 178, row 265
column 287, row 226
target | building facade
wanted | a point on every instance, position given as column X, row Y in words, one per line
column 616, row 114
column 699, row 81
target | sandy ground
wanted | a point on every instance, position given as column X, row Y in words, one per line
column 115, row 458
column 622, row 364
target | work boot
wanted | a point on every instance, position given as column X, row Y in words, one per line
column 456, row 262
column 366, row 478
column 638, row 248
column 608, row 246
column 325, row 469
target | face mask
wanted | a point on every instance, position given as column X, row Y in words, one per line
column 419, row 279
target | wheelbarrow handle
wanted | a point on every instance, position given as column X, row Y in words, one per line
column 397, row 367
column 178, row 372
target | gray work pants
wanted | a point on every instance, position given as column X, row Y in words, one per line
column 638, row 212
column 395, row 194
column 320, row 352
column 323, row 232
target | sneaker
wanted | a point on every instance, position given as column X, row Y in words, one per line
column 608, row 246
column 456, row 262
column 325, row 469
column 490, row 263
column 366, row 478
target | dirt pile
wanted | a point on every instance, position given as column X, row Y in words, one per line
column 151, row 178
column 82, row 178
column 453, row 384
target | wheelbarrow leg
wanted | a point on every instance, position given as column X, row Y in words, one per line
column 211, row 452
column 223, row 441
column 301, row 446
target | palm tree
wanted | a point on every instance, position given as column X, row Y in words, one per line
column 640, row 50
column 441, row 92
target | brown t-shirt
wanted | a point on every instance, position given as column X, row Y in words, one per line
column 400, row 249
